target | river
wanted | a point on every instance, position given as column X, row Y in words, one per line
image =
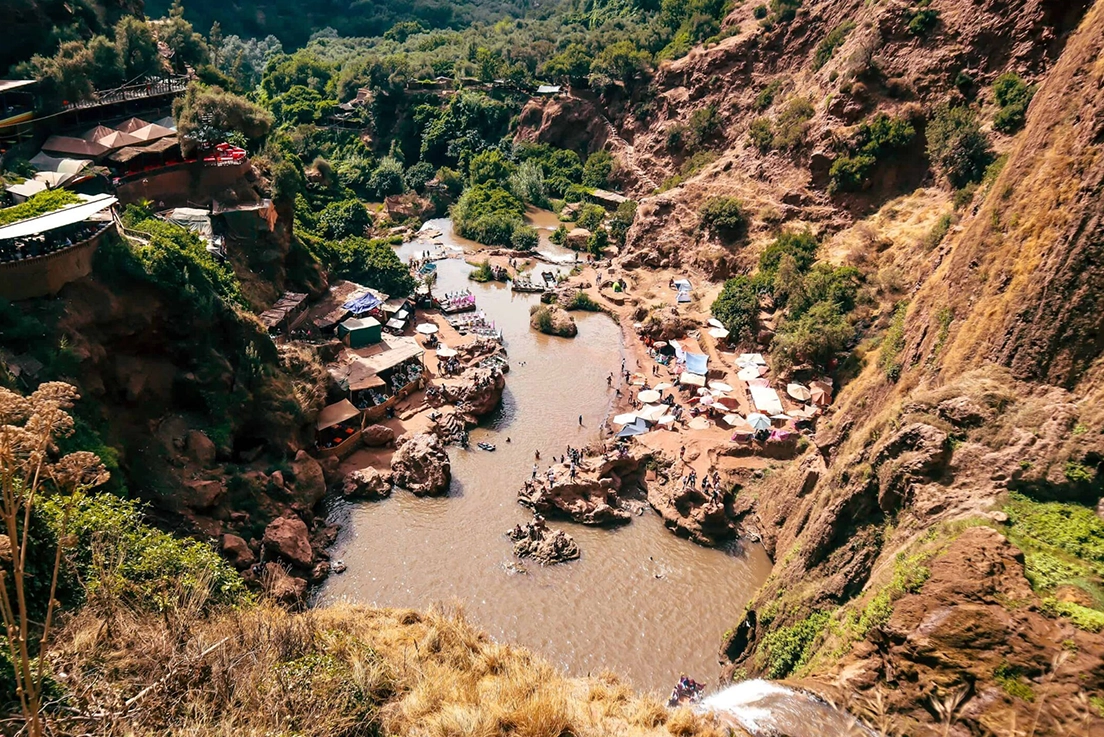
column 639, row 602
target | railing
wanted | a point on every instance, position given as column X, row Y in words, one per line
column 166, row 86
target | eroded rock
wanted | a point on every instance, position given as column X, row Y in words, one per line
column 422, row 466
column 367, row 483
column 237, row 551
column 288, row 538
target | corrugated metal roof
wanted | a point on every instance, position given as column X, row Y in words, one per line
column 69, row 215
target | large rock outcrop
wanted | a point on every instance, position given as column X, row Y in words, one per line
column 552, row 320
column 591, row 496
column 421, row 465
column 367, row 483
column 288, row 538
column 693, row 513
column 542, row 544
column 476, row 392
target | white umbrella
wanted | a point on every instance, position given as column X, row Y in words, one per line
column 702, row 392
column 719, row 386
column 666, row 420
column 426, row 328
column 799, row 392
column 715, row 323
column 699, row 423
column 445, row 352
column 659, row 344
column 648, row 396
column 664, row 386
column 732, row 420
column 758, row 421
column 626, row 419
column 718, row 333
column 652, row 412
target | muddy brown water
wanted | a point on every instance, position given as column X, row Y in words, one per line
column 640, row 601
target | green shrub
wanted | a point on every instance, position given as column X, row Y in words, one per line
column 590, row 216
column 374, row 263
column 889, row 355
column 598, row 241
column 38, row 204
column 1069, row 527
column 704, row 124
column 621, row 220
column 765, row 98
column 957, row 146
column 597, row 170
column 559, row 235
column 1012, row 95
column 1010, row 679
column 784, row 11
column 791, row 124
column 490, row 167
column 582, row 301
column 815, row 337
column 737, row 307
column 725, row 215
column 487, row 213
column 878, row 139
column 924, row 19
column 831, row 42
column 148, row 568
column 789, row 648
column 345, row 219
column 1090, row 620
column 482, row 273
column 850, row 173
column 761, row 134
column 760, row 12
column 801, row 245
column 524, row 237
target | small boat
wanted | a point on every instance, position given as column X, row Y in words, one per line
column 686, row 691
column 486, row 446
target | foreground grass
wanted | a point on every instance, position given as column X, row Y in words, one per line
column 342, row 670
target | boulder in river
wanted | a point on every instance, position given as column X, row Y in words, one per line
column 551, row 320
column 590, row 496
column 542, row 544
column 689, row 512
column 367, row 483
column 422, row 465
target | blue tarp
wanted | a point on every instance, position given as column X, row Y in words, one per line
column 360, row 305
column 636, row 427
column 697, row 363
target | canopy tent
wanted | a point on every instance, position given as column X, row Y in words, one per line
column 766, row 400
column 357, row 375
column 697, row 363
column 666, row 420
column 95, row 134
column 683, row 285
column 637, row 427
column 400, row 351
column 69, row 215
column 335, row 414
column 720, row 386
column 27, row 188
column 77, row 147
column 45, row 162
column 751, row 359
column 648, row 396
column 683, row 297
column 799, row 392
column 395, row 324
column 758, row 421
column 731, row 403
column 129, row 126
column 733, row 420
column 819, row 396
column 625, row 419
column 168, row 121
column 688, row 378
column 652, row 412
column 718, row 333
column 54, row 179
column 118, row 139
column 152, row 132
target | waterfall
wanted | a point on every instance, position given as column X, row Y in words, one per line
column 766, row 708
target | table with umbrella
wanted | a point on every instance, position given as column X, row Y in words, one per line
column 648, row 396
column 427, row 328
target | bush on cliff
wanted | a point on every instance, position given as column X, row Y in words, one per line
column 737, row 307
column 38, row 204
column 957, row 147
column 725, row 215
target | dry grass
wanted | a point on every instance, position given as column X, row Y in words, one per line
column 342, row 670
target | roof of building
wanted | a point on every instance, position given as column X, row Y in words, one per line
column 152, row 132
column 548, row 89
column 337, row 413
column 124, row 155
column 7, row 85
column 129, row 126
column 396, row 351
column 360, row 323
column 69, row 215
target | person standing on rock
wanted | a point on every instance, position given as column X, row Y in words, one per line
column 534, row 470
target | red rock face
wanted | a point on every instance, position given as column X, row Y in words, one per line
column 288, row 538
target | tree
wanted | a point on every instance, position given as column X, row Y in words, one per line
column 302, row 67
column 300, row 105
column 957, row 146
column 490, row 167
column 488, row 214
column 404, row 30
column 737, row 307
column 802, row 246
column 206, row 116
column 344, row 219
column 373, row 263
column 214, row 42
column 590, row 216
column 570, row 65
column 1013, row 96
column 528, row 184
column 417, row 175
column 596, row 172
column 387, row 179
column 621, row 221
column 188, row 47
column 105, row 70
column 524, row 237
column 816, row 337
column 137, row 48
column 619, row 62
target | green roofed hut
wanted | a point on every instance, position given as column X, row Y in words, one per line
column 360, row 332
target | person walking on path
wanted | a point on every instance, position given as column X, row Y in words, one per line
column 580, row 420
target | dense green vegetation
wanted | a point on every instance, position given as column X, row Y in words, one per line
column 1012, row 95
column 957, row 146
column 38, row 204
column 878, row 139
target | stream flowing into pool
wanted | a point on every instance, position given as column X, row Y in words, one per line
column 639, row 602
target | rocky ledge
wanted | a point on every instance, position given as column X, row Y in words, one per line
column 421, row 465
column 475, row 392
column 693, row 513
column 544, row 545
column 591, row 494
column 551, row 320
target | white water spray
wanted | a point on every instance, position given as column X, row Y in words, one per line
column 766, row 708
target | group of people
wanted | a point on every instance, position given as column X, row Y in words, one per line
column 51, row 241
column 534, row 530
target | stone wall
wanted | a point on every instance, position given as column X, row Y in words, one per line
column 46, row 275
column 191, row 184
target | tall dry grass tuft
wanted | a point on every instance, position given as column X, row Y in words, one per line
column 341, row 671
column 30, row 471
